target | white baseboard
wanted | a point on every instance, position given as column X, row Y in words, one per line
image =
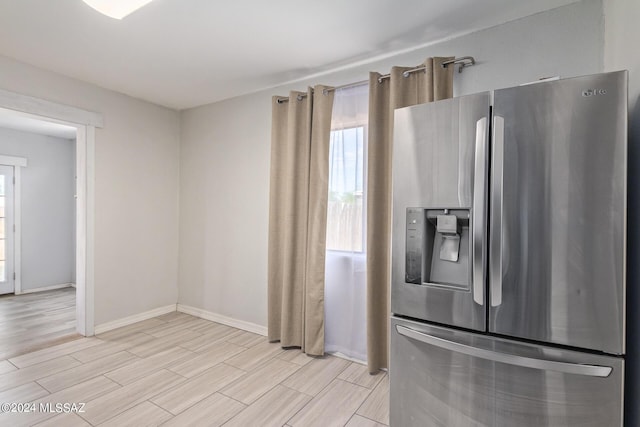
column 345, row 357
column 119, row 323
column 219, row 318
column 46, row 288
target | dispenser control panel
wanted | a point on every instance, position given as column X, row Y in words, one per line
column 438, row 247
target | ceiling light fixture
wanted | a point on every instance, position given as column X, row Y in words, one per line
column 116, row 9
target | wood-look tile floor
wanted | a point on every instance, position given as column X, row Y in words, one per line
column 30, row 322
column 179, row 370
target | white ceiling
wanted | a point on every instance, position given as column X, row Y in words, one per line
column 185, row 53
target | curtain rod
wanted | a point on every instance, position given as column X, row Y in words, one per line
column 464, row 61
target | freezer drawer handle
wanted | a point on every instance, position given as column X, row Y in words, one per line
column 511, row 359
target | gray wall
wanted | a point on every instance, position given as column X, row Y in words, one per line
column 224, row 159
column 48, row 206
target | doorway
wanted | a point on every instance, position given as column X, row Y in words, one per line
column 37, row 245
column 84, row 122
column 7, row 229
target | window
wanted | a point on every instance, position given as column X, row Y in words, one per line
column 345, row 269
column 345, row 212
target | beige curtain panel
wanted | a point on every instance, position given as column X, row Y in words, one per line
column 299, row 186
column 433, row 84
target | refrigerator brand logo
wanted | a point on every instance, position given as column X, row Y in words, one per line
column 594, row 92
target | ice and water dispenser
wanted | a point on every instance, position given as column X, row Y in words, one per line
column 438, row 247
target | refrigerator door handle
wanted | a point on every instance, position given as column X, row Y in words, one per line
column 496, row 250
column 479, row 203
column 510, row 359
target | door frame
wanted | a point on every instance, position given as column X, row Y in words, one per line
column 85, row 123
column 17, row 163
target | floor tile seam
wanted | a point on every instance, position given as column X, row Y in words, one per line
column 365, row 401
column 180, row 384
column 48, row 374
column 159, row 368
column 126, row 408
column 369, row 392
column 321, row 390
column 355, row 383
column 246, row 405
column 280, row 383
column 103, row 373
column 185, row 409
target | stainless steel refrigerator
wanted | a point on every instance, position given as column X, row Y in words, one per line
column 508, row 257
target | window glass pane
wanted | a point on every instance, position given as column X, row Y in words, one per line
column 346, row 178
column 3, row 243
column 2, row 233
column 2, row 194
column 3, row 275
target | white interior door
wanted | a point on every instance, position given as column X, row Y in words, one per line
column 7, row 277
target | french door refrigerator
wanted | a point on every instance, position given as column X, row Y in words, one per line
column 508, row 257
